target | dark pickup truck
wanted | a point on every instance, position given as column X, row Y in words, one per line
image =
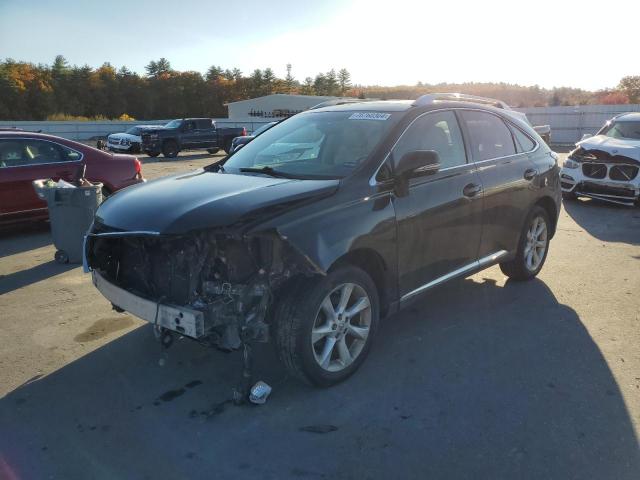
column 189, row 134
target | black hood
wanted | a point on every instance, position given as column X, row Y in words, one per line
column 202, row 199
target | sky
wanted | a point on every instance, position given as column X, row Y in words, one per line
column 585, row 44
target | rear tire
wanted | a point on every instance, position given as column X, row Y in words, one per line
column 320, row 337
column 532, row 247
column 170, row 149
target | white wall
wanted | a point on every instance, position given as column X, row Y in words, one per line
column 84, row 131
column 568, row 124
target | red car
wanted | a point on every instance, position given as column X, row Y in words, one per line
column 27, row 156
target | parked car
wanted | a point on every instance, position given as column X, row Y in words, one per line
column 244, row 139
column 189, row 134
column 27, row 156
column 606, row 166
column 327, row 222
column 130, row 141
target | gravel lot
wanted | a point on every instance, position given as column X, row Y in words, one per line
column 483, row 379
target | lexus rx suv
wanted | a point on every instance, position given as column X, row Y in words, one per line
column 327, row 222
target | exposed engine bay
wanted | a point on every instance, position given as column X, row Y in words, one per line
column 229, row 278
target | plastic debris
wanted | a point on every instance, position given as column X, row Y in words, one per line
column 259, row 393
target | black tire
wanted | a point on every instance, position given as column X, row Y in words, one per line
column 227, row 147
column 213, row 151
column 517, row 269
column 568, row 196
column 61, row 257
column 153, row 154
column 170, row 149
column 295, row 315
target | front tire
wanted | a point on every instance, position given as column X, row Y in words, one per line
column 532, row 247
column 170, row 149
column 325, row 326
column 153, row 154
column 213, row 151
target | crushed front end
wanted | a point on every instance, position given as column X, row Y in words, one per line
column 215, row 287
column 598, row 174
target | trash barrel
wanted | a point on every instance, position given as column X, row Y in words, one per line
column 71, row 212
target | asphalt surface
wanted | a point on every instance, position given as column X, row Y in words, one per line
column 484, row 378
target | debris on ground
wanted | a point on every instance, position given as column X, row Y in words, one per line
column 319, row 428
column 259, row 393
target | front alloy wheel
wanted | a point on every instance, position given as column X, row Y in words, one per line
column 341, row 327
column 324, row 326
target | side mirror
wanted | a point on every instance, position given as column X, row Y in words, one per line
column 418, row 163
column 414, row 164
column 585, row 136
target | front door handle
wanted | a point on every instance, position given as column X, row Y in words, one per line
column 471, row 190
column 530, row 174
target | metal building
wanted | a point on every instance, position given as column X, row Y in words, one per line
column 273, row 107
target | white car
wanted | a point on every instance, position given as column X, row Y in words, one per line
column 605, row 166
column 130, row 140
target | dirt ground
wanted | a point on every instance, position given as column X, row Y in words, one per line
column 484, row 378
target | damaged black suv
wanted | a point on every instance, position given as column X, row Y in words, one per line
column 329, row 221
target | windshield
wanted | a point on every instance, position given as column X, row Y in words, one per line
column 133, row 131
column 261, row 129
column 173, row 124
column 630, row 130
column 319, row 144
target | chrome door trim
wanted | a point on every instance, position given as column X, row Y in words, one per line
column 491, row 258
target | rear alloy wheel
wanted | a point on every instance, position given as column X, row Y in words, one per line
column 170, row 149
column 325, row 326
column 532, row 249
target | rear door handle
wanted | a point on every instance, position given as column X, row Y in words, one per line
column 471, row 190
column 530, row 174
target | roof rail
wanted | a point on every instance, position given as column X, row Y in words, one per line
column 339, row 101
column 429, row 98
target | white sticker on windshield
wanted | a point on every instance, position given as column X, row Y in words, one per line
column 369, row 116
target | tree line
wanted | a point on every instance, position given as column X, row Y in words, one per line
column 61, row 91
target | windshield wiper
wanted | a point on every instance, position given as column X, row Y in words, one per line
column 267, row 171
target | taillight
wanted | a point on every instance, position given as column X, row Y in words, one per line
column 244, row 131
column 138, row 165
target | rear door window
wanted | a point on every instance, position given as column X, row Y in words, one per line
column 203, row 124
column 489, row 135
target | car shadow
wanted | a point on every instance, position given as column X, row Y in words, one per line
column 477, row 380
column 42, row 271
column 606, row 221
column 24, row 237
